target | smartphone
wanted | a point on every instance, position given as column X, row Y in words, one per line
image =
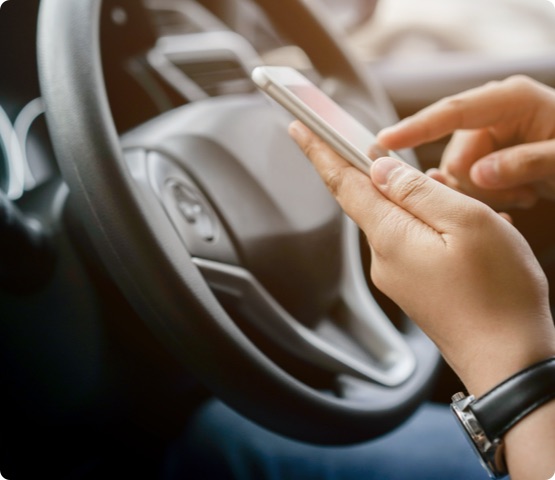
column 340, row 130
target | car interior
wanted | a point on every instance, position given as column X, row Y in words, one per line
column 165, row 242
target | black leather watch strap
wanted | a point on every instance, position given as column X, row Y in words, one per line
column 498, row 410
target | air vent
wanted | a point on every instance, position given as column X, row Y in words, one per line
column 178, row 17
column 209, row 63
column 218, row 77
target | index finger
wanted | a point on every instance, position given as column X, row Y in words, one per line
column 476, row 108
column 354, row 191
column 389, row 217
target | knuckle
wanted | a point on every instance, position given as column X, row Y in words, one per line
column 310, row 150
column 519, row 82
column 387, row 228
column 332, row 173
column 455, row 104
column 492, row 84
column 454, row 108
column 520, row 85
column 413, row 189
column 456, row 170
column 481, row 215
column 334, row 180
column 472, row 216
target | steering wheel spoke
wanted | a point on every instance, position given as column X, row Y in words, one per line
column 363, row 318
column 317, row 346
column 213, row 201
column 355, row 337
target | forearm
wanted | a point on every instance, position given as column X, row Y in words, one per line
column 530, row 445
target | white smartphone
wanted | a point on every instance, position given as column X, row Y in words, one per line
column 346, row 135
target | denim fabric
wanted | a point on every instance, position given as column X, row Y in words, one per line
column 220, row 444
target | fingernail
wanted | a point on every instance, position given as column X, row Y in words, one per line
column 486, row 171
column 383, row 168
column 385, row 131
column 376, row 151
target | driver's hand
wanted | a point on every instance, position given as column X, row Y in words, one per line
column 457, row 268
column 503, row 146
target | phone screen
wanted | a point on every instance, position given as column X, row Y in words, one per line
column 333, row 114
column 346, row 135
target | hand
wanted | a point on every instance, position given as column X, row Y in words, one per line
column 503, row 147
column 458, row 269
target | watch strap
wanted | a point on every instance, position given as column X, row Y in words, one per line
column 501, row 408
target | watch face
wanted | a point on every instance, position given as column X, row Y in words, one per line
column 489, row 453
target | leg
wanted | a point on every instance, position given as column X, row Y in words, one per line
column 221, row 444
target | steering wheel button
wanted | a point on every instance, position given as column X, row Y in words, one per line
column 193, row 209
column 187, row 202
column 206, row 229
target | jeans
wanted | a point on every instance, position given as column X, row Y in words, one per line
column 220, row 444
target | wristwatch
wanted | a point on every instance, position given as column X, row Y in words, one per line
column 486, row 420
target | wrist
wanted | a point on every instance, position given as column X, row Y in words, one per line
column 516, row 415
column 500, row 368
column 491, row 362
column 529, row 445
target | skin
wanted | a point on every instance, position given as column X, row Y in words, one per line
column 503, row 146
column 502, row 151
column 418, row 230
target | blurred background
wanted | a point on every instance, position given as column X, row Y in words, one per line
column 408, row 29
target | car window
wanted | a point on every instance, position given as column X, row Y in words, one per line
column 423, row 28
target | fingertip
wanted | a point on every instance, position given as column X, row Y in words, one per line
column 485, row 172
column 403, row 134
column 383, row 168
column 298, row 131
column 385, row 132
column 386, row 137
column 507, row 217
column 437, row 175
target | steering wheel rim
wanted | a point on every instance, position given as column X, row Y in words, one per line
column 142, row 251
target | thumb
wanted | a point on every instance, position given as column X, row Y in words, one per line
column 423, row 197
column 515, row 166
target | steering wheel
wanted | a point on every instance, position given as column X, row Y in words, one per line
column 227, row 243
